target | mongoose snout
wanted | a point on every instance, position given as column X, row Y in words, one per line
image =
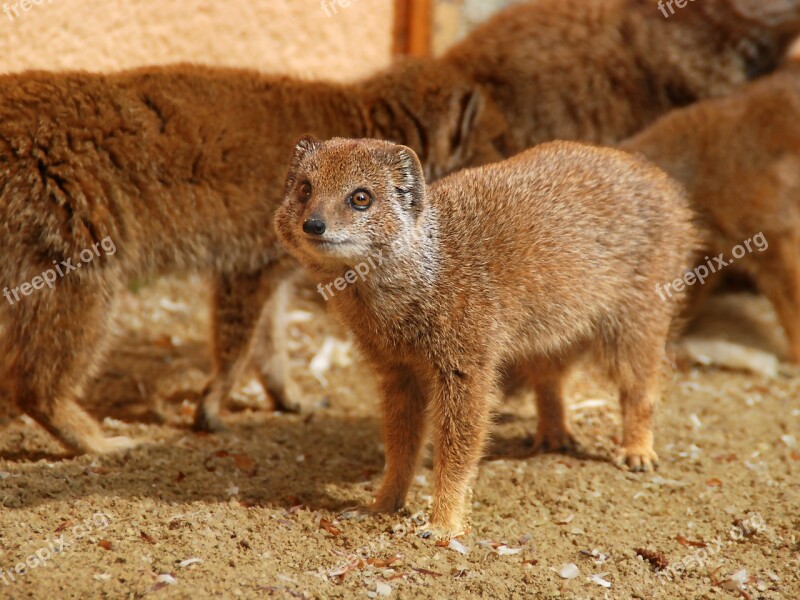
column 314, row 226
column 479, row 270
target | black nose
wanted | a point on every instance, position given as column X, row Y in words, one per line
column 314, row 227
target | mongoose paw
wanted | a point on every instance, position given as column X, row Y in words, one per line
column 204, row 421
column 431, row 531
column 108, row 445
column 281, row 401
column 387, row 503
column 637, row 459
column 555, row 440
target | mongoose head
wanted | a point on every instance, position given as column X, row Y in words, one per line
column 347, row 200
column 447, row 119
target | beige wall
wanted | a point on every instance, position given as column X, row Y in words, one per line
column 287, row 36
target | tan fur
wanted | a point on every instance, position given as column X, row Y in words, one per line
column 182, row 168
column 534, row 259
column 601, row 70
column 739, row 158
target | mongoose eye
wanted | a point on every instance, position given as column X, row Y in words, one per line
column 305, row 191
column 361, row 200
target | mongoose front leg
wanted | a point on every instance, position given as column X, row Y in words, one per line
column 56, row 341
column 460, row 409
column 238, row 304
column 404, row 407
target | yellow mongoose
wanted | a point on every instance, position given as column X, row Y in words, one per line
column 601, row 70
column 534, row 259
column 165, row 169
column 739, row 158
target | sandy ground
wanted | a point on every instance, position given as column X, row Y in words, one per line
column 262, row 510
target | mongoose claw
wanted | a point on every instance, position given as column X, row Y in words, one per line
column 637, row 460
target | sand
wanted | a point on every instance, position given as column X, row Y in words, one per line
column 270, row 508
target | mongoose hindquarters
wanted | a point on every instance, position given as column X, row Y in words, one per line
column 536, row 259
column 739, row 158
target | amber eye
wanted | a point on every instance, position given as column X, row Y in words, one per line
column 361, row 200
column 305, row 191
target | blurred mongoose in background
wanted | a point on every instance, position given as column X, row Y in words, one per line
column 601, row 70
column 739, row 158
column 178, row 169
column 536, row 259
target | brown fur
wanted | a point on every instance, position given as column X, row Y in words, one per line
column 601, row 70
column 739, row 158
column 480, row 269
column 182, row 168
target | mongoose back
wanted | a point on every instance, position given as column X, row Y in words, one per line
column 177, row 169
column 601, row 70
column 739, row 158
column 535, row 259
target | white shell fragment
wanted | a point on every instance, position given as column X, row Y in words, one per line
column 457, row 546
column 598, row 579
column 568, row 571
column 190, row 561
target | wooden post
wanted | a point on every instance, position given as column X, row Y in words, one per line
column 412, row 27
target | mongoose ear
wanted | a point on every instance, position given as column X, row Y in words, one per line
column 467, row 107
column 304, row 146
column 408, row 178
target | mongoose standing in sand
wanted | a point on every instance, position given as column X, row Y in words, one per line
column 178, row 169
column 739, row 158
column 538, row 258
column 602, row 70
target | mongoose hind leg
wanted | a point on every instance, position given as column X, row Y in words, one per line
column 461, row 404
column 238, row 303
column 636, row 371
column 57, row 338
column 404, row 407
